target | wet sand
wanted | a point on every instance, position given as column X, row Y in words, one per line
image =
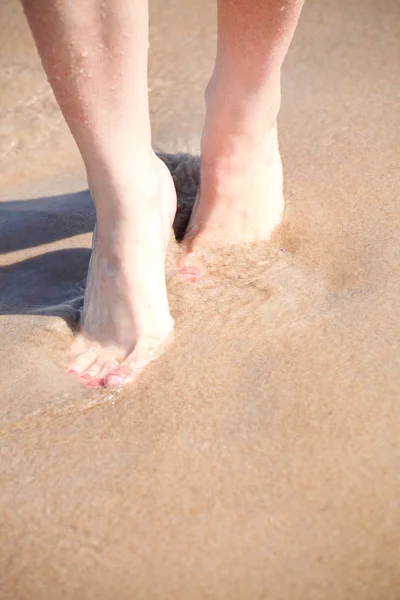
column 260, row 456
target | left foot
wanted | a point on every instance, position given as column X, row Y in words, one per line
column 126, row 320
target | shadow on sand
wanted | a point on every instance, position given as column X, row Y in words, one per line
column 52, row 283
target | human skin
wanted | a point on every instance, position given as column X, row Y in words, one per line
column 95, row 54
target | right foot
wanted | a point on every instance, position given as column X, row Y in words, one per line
column 240, row 198
column 126, row 320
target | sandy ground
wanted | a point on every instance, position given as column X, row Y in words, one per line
column 260, row 457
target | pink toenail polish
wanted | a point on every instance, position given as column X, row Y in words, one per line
column 72, row 372
column 190, row 273
column 115, row 380
column 95, row 383
column 85, row 376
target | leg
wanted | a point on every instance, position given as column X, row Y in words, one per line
column 95, row 56
column 241, row 195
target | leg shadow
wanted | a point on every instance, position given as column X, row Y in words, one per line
column 30, row 223
column 51, row 284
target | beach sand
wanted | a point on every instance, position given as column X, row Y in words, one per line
column 260, row 456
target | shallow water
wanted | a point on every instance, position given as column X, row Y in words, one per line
column 259, row 457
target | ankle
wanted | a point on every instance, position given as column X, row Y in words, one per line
column 120, row 183
column 227, row 151
column 119, row 163
column 234, row 106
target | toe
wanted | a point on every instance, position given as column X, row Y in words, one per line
column 144, row 353
column 88, row 378
column 91, row 372
column 96, row 382
column 82, row 363
column 191, row 265
column 94, row 376
column 119, row 376
column 190, row 273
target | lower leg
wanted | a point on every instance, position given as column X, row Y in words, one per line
column 95, row 56
column 241, row 195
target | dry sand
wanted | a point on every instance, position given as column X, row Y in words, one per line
column 260, row 457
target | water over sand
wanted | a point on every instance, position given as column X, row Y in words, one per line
column 260, row 457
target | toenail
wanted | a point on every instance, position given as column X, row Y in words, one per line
column 190, row 272
column 94, row 383
column 85, row 376
column 72, row 372
column 115, row 380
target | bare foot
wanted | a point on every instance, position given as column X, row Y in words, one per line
column 126, row 320
column 240, row 198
